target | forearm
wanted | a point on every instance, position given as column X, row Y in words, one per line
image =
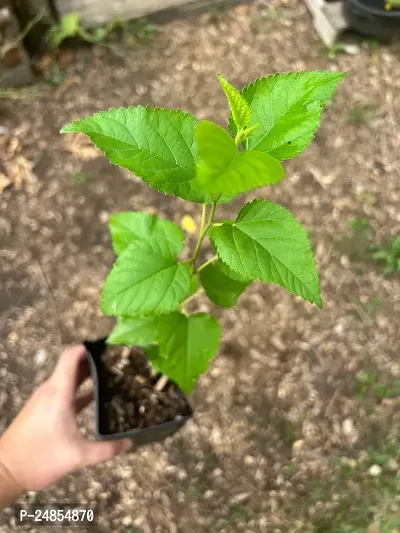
column 9, row 488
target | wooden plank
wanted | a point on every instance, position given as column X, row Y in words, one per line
column 328, row 18
column 95, row 13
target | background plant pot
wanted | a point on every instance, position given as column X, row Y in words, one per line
column 102, row 394
column 370, row 17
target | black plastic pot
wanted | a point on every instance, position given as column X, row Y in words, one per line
column 102, row 396
column 370, row 17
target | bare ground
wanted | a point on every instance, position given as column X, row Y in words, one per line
column 285, row 433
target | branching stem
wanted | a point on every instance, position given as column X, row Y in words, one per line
column 204, row 228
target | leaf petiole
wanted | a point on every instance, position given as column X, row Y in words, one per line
column 207, row 263
column 192, row 297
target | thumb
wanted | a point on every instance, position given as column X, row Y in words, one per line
column 99, row 452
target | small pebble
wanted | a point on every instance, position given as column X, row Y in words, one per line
column 40, row 357
column 240, row 498
column 375, row 471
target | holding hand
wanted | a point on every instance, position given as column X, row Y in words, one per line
column 44, row 443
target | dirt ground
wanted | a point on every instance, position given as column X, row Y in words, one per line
column 297, row 423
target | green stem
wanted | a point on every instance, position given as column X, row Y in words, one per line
column 204, row 229
column 206, row 263
column 192, row 297
column 201, row 233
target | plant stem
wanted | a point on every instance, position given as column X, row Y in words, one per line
column 204, row 228
column 192, row 296
column 214, row 258
column 201, row 233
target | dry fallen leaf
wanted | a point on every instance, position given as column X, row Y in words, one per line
column 4, row 182
column 81, row 147
column 15, row 169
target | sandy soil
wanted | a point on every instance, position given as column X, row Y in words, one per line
column 284, row 436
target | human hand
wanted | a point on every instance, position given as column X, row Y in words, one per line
column 44, row 443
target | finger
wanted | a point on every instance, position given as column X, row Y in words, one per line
column 70, row 370
column 99, row 452
column 84, row 400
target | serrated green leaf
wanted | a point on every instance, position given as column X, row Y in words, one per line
column 232, row 274
column 288, row 109
column 267, row 243
column 126, row 228
column 137, row 331
column 186, row 346
column 239, row 107
column 145, row 280
column 222, row 169
column 156, row 144
column 219, row 287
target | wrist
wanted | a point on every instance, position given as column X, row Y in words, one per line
column 10, row 488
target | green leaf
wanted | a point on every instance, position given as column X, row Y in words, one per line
column 222, row 169
column 245, row 132
column 137, row 331
column 267, row 243
column 232, row 274
column 146, row 279
column 186, row 346
column 153, row 354
column 219, row 287
column 129, row 227
column 239, row 107
column 288, row 109
column 156, row 144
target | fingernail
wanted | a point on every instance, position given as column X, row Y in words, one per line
column 126, row 445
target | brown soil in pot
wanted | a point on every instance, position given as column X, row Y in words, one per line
column 134, row 396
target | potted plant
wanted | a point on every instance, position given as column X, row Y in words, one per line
column 379, row 18
column 140, row 392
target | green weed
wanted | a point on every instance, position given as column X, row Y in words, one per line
column 333, row 51
column 70, row 27
column 387, row 255
column 368, row 385
column 358, row 115
column 289, row 471
column 79, row 178
column 365, row 247
column 363, row 500
column 287, row 430
column 237, row 513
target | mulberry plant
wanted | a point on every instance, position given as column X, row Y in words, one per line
column 271, row 120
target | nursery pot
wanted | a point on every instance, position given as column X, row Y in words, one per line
column 370, row 17
column 103, row 395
